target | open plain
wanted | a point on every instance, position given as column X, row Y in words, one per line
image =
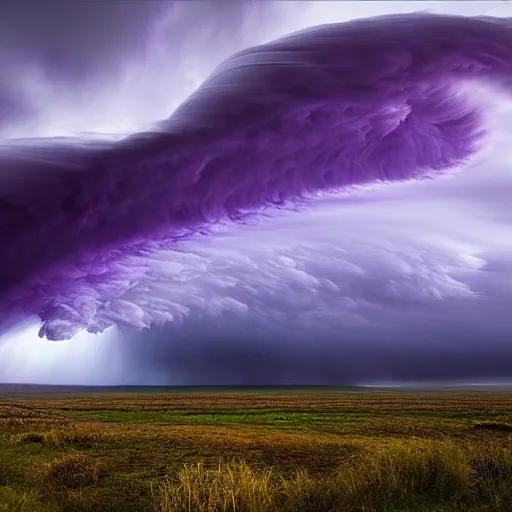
column 254, row 449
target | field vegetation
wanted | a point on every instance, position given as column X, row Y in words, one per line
column 311, row 450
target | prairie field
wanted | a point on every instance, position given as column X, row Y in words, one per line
column 255, row 450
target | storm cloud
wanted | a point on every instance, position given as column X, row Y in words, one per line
column 328, row 206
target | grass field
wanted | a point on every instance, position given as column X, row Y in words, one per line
column 264, row 450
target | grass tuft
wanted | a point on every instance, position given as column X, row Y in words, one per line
column 70, row 472
column 230, row 486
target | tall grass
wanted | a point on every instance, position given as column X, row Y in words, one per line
column 231, row 486
column 406, row 476
column 406, row 473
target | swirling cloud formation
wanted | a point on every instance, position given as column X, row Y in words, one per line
column 138, row 231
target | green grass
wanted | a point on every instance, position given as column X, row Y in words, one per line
column 247, row 450
column 222, row 417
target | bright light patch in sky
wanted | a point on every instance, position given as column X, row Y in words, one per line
column 26, row 358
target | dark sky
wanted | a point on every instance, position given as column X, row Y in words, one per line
column 410, row 282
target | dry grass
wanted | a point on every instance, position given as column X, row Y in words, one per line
column 232, row 486
column 398, row 478
column 57, row 438
column 453, row 402
column 315, row 452
column 70, row 472
column 435, row 471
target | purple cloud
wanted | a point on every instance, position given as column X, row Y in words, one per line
column 137, row 232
